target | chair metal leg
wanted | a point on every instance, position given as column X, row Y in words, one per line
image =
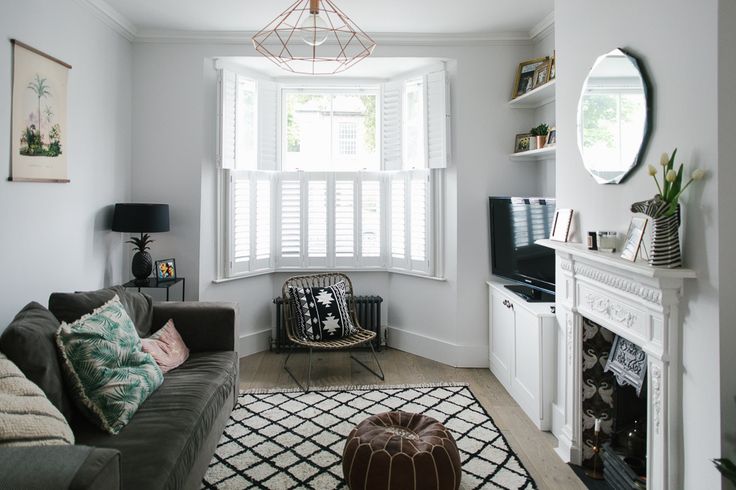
column 309, row 370
column 375, row 358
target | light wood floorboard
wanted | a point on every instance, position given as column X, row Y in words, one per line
column 535, row 448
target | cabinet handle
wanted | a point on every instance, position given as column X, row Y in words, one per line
column 508, row 304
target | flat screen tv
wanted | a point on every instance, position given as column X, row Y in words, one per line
column 516, row 223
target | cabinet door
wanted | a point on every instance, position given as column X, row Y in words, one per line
column 501, row 339
column 525, row 373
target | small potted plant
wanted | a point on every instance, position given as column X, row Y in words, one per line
column 540, row 132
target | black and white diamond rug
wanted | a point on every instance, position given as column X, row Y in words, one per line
column 283, row 439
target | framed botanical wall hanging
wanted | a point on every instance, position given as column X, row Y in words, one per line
column 39, row 116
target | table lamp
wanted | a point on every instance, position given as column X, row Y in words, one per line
column 143, row 219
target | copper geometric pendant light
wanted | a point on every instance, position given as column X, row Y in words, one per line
column 313, row 37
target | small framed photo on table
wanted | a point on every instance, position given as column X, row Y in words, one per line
column 166, row 270
column 634, row 237
column 551, row 137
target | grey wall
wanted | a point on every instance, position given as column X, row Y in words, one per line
column 174, row 139
column 727, row 219
column 55, row 236
column 677, row 41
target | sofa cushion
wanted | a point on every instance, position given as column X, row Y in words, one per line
column 29, row 341
column 70, row 307
column 109, row 373
column 27, row 417
column 167, row 347
column 161, row 442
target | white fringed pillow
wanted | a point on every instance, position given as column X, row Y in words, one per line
column 27, row 417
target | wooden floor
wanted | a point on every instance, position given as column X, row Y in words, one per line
column 535, row 448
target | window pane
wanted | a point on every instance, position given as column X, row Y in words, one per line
column 241, row 220
column 317, row 225
column 290, row 218
column 371, row 219
column 263, row 219
column 330, row 131
column 398, row 242
column 414, row 124
column 246, row 125
column 344, row 218
column 418, row 219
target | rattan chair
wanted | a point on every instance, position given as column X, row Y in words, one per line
column 360, row 337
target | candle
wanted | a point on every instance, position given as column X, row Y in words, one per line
column 597, row 425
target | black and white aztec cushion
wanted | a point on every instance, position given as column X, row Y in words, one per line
column 322, row 313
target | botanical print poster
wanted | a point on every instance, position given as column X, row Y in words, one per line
column 39, row 121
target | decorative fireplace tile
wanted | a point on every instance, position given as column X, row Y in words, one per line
column 598, row 387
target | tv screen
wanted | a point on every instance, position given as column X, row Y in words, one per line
column 516, row 223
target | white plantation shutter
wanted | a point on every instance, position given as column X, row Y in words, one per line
column 290, row 223
column 268, row 125
column 438, row 114
column 317, row 220
column 398, row 220
column 246, row 124
column 391, row 125
column 371, row 222
column 344, row 228
column 262, row 218
column 240, row 245
column 419, row 221
column 227, row 90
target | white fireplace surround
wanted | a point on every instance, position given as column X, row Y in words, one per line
column 641, row 304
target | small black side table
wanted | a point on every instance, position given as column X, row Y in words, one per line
column 154, row 283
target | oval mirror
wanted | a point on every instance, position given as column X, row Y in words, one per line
column 613, row 117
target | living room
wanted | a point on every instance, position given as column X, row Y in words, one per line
column 155, row 98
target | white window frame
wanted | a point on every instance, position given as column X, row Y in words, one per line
column 432, row 266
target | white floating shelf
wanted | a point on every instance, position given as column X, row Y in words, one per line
column 538, row 97
column 546, row 153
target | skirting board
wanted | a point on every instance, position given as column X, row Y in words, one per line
column 253, row 343
column 470, row 356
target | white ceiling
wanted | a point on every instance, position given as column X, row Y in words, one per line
column 376, row 16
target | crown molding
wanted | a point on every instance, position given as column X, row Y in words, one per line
column 118, row 22
column 544, row 28
column 386, row 38
column 111, row 17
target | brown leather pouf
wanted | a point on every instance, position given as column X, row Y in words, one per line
column 401, row 451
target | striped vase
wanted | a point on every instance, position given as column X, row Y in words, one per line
column 666, row 242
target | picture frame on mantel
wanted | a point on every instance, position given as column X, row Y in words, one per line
column 561, row 225
column 38, row 117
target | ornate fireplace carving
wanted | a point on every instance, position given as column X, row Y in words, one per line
column 641, row 304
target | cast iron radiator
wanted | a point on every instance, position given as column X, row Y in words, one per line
column 367, row 309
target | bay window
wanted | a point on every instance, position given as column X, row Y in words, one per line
column 338, row 177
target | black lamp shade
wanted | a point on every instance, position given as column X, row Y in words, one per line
column 141, row 218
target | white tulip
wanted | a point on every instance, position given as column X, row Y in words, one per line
column 652, row 170
column 698, row 174
column 671, row 176
column 664, row 159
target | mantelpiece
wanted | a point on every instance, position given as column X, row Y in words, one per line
column 641, row 304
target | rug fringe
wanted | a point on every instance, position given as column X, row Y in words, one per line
column 266, row 391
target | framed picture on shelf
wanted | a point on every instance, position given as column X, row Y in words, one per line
column 524, row 81
column 551, row 137
column 541, row 75
column 561, row 225
column 553, row 66
column 166, row 270
column 634, row 237
column 521, row 143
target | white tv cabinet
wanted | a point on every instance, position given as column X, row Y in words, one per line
column 522, row 339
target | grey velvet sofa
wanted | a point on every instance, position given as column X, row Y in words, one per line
column 170, row 440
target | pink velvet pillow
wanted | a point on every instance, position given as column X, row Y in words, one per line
column 166, row 347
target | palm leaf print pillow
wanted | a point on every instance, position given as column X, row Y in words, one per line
column 104, row 363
